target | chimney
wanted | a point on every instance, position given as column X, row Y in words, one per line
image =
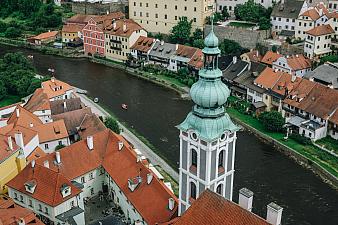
column 19, row 139
column 120, row 145
column 149, row 178
column 10, row 142
column 138, row 157
column 162, row 42
column 46, row 164
column 58, row 157
column 90, row 142
column 171, row 203
column 114, row 24
column 176, row 47
column 297, row 55
column 124, row 26
column 31, row 125
column 274, row 214
column 234, row 59
column 52, row 79
column 64, row 105
column 33, row 163
column 17, row 110
column 21, row 222
column 293, row 78
column 245, row 199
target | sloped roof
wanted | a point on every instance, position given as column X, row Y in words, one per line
column 131, row 27
column 254, row 56
column 46, row 35
column 268, row 78
column 270, row 57
column 196, row 60
column 326, row 74
column 186, row 51
column 5, row 151
column 11, row 213
column 299, row 62
column 58, row 106
column 72, row 28
column 288, row 9
column 35, row 154
column 51, row 131
column 38, row 101
column 49, row 183
column 90, row 125
column 321, row 30
column 211, row 208
column 52, row 84
column 83, row 18
column 25, row 119
column 285, row 83
column 143, row 44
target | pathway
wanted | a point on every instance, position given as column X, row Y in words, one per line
column 146, row 151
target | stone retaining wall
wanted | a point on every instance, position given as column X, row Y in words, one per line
column 97, row 8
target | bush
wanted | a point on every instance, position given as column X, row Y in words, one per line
column 300, row 139
column 272, row 121
column 12, row 32
column 3, row 90
column 112, row 124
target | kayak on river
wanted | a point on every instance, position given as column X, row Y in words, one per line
column 124, row 106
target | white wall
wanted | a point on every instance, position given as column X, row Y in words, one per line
column 94, row 183
column 8, row 110
column 31, row 145
column 279, row 24
column 44, row 115
column 53, row 144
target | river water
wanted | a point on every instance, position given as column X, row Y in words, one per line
column 154, row 112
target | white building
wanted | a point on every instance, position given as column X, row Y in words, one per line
column 333, row 5
column 314, row 16
column 318, row 41
column 48, row 194
column 56, row 89
column 285, row 14
column 295, row 65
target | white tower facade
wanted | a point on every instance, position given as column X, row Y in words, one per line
column 207, row 135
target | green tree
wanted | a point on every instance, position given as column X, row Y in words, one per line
column 3, row 27
column 198, row 34
column 158, row 36
column 12, row 32
column 3, row 90
column 112, row 124
column 225, row 13
column 264, row 23
column 198, row 43
column 230, row 47
column 217, row 17
column 58, row 147
column 272, row 121
column 274, row 48
column 251, row 11
column 181, row 32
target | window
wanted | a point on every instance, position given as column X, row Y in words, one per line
column 21, row 198
column 30, row 203
column 192, row 190
column 83, row 180
column 221, row 159
column 46, row 210
column 92, row 191
column 46, row 146
column 72, row 204
column 15, row 196
column 219, row 189
column 40, row 208
column 91, row 176
column 193, row 157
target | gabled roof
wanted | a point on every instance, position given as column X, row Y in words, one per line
column 72, row 28
column 287, row 9
column 143, row 44
column 38, row 101
column 326, row 74
column 185, row 51
column 90, row 125
column 254, row 55
column 268, row 78
column 46, row 35
column 5, row 151
column 163, row 50
column 321, row 30
column 270, row 57
column 83, row 19
column 285, row 83
column 298, row 62
column 235, row 69
column 196, row 60
column 65, row 105
column 130, row 27
column 211, row 208
column 316, row 12
column 51, row 131
column 77, row 159
column 48, row 184
column 25, row 119
column 11, row 213
column 54, row 87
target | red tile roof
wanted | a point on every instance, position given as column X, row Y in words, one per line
column 51, row 131
column 38, row 101
column 143, row 44
column 83, row 19
column 25, row 119
column 285, row 83
column 268, row 78
column 299, row 62
column 53, row 87
column 186, row 51
column 131, row 27
column 5, row 151
column 211, row 208
column 196, row 60
column 254, row 56
column 321, row 30
column 122, row 165
column 270, row 57
column 46, row 35
column 11, row 213
column 48, row 184
column 90, row 125
column 72, row 28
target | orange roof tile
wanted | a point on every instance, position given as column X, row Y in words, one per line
column 143, row 44
column 12, row 129
column 186, row 51
column 90, row 125
column 122, row 165
column 54, row 87
column 299, row 62
column 25, row 119
column 268, row 78
column 211, row 208
column 72, row 28
column 285, row 83
column 49, row 183
column 5, row 151
column 196, row 60
column 11, row 213
column 254, row 56
column 270, row 57
column 35, row 154
column 51, row 131
column 131, row 27
column 46, row 35
column 321, row 30
column 38, row 101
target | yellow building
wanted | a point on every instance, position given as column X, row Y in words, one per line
column 160, row 16
column 71, row 32
column 12, row 161
column 120, row 36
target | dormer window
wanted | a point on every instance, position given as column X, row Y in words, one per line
column 65, row 190
column 30, row 186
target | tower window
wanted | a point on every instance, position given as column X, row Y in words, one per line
column 221, row 162
column 219, row 189
column 193, row 167
column 192, row 190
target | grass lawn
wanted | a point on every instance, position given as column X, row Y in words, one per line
column 169, row 79
column 329, row 143
column 327, row 161
column 240, row 24
column 9, row 99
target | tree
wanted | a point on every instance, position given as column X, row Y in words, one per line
column 12, row 32
column 230, row 47
column 112, row 124
column 181, row 32
column 198, row 34
column 198, row 43
column 251, row 11
column 3, row 90
column 264, row 23
column 272, row 121
column 3, row 27
column 217, row 17
column 58, row 147
column 274, row 48
column 225, row 13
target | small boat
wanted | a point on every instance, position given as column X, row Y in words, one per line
column 124, row 106
column 30, row 56
column 96, row 100
column 51, row 70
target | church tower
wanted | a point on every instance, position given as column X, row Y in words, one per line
column 207, row 135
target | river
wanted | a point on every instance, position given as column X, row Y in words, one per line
column 154, row 111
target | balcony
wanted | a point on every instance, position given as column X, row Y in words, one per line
column 115, row 41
